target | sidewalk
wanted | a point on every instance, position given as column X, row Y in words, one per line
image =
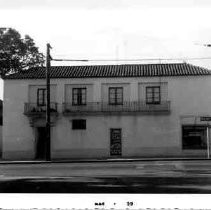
column 101, row 160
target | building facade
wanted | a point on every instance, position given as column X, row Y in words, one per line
column 110, row 111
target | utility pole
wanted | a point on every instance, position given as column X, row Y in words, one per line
column 208, row 141
column 48, row 117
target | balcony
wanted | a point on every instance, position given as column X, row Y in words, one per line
column 135, row 107
column 32, row 109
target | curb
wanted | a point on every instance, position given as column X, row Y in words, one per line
column 102, row 160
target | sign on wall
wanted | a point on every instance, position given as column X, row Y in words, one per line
column 205, row 118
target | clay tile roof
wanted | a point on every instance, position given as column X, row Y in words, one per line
column 126, row 70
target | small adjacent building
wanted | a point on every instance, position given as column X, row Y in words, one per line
column 108, row 111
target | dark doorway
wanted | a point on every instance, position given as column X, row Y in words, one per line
column 115, row 142
column 41, row 144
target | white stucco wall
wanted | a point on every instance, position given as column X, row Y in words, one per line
column 142, row 134
column 17, row 133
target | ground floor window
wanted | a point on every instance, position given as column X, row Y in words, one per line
column 194, row 137
column 79, row 124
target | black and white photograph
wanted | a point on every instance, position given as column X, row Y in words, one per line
column 105, row 97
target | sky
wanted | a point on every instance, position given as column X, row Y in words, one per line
column 114, row 29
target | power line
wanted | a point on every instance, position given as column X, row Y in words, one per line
column 82, row 60
column 139, row 59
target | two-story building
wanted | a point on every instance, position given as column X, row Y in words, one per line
column 108, row 111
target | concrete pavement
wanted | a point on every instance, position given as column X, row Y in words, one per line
column 138, row 168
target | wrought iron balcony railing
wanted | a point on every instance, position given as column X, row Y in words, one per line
column 35, row 109
column 126, row 107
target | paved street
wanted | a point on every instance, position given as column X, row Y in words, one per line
column 108, row 177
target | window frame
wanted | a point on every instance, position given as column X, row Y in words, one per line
column 77, row 126
column 116, row 102
column 42, row 101
column 153, row 101
column 79, row 96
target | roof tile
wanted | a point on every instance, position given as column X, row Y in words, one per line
column 126, row 70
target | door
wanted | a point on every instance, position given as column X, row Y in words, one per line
column 41, row 144
column 115, row 142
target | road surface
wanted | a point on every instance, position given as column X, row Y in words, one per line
column 108, row 177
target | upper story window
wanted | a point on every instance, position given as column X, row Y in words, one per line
column 78, row 96
column 41, row 97
column 153, row 95
column 116, row 95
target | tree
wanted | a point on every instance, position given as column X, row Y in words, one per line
column 17, row 53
